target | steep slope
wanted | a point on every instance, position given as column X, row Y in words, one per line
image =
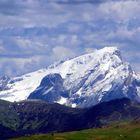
column 40, row 117
column 51, row 89
column 89, row 79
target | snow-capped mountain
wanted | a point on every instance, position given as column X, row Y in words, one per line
column 82, row 81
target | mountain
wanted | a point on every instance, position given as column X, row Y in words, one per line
column 83, row 81
column 32, row 116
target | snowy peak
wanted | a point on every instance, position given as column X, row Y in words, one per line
column 110, row 49
column 107, row 56
column 87, row 80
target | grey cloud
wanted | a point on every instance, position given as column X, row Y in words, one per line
column 39, row 30
column 85, row 1
column 10, row 7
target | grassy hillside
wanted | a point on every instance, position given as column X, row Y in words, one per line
column 122, row 131
column 8, row 116
column 34, row 117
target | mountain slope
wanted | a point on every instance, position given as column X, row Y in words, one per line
column 88, row 79
column 124, row 130
column 40, row 117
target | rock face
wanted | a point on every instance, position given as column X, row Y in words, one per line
column 50, row 89
column 80, row 82
column 3, row 83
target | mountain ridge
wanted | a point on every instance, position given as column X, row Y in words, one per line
column 89, row 79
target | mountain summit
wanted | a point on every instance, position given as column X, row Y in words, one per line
column 79, row 82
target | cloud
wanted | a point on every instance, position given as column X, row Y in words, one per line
column 75, row 2
column 62, row 53
column 122, row 10
column 37, row 33
column 89, row 50
column 21, row 65
column 10, row 8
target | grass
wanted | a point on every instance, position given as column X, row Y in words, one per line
column 123, row 131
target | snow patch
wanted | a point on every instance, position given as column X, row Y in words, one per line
column 107, row 88
column 62, row 101
column 73, row 105
column 47, row 91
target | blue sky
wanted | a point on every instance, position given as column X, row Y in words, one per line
column 35, row 33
